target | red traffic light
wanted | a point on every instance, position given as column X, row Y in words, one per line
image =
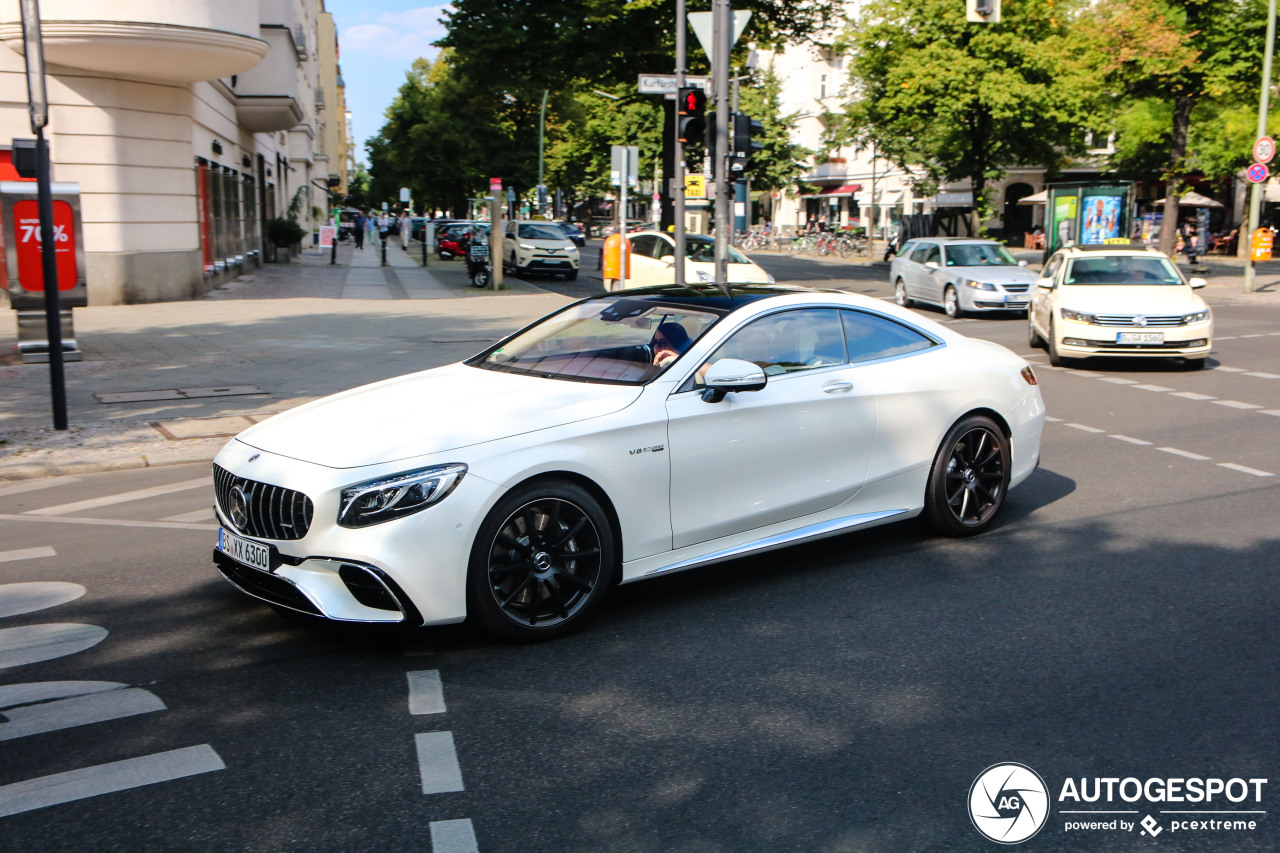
column 693, row 101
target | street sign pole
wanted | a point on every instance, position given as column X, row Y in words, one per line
column 33, row 54
column 677, row 176
column 722, row 38
column 1255, row 194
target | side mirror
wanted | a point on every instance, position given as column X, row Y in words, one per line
column 1045, row 283
column 933, row 265
column 732, row 374
column 1197, row 283
column 1022, row 263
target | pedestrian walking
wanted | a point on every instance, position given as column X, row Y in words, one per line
column 384, row 227
column 1191, row 240
column 361, row 225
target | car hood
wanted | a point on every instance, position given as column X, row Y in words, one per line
column 995, row 275
column 1130, row 299
column 430, row 412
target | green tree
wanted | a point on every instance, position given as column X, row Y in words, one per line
column 962, row 100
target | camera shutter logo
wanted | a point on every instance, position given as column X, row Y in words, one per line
column 1008, row 803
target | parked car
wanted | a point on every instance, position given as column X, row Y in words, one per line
column 575, row 232
column 539, row 246
column 590, row 449
column 960, row 275
column 653, row 261
column 1105, row 300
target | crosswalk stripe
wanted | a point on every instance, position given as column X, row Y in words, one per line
column 46, row 717
column 107, row 778
column 111, row 522
column 35, row 485
column 27, row 554
column 123, row 497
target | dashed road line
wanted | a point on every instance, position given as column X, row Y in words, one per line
column 1130, row 440
column 1117, row 380
column 438, row 763
column 1051, row 419
column 1157, row 388
column 1275, row 412
column 1262, row 375
column 1185, row 453
column 1192, row 395
column 188, row 517
column 1260, row 335
column 1222, row 368
column 426, row 693
column 110, row 522
column 1243, row 469
column 453, row 836
column 1085, row 428
column 27, row 554
column 107, row 778
column 123, row 497
column 1236, row 404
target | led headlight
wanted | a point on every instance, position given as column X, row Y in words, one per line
column 770, row 278
column 1198, row 317
column 528, row 246
column 376, row 501
column 1077, row 316
column 978, row 285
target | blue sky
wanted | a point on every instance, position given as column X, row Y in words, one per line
column 377, row 41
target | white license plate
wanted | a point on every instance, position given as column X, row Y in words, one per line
column 1140, row 337
column 253, row 554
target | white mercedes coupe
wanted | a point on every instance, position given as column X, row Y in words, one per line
column 626, row 436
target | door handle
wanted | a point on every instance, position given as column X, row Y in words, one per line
column 837, row 387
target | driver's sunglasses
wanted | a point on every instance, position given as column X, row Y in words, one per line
column 661, row 342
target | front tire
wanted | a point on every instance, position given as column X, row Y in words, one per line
column 969, row 479
column 1055, row 358
column 951, row 302
column 900, row 294
column 1033, row 337
column 1193, row 363
column 541, row 563
column 571, row 276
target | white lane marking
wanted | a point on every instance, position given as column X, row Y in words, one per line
column 453, row 836
column 426, row 693
column 198, row 515
column 77, row 711
column 111, row 500
column 1224, row 337
column 438, row 762
column 1192, row 395
column 1158, row 388
column 1255, row 336
column 1184, row 453
column 1117, row 380
column 1272, row 412
column 1130, row 440
column 111, row 522
column 34, row 485
column 1087, row 374
column 1245, row 470
column 1261, row 375
column 107, row 778
column 34, row 643
column 18, row 598
column 1224, row 369
column 1085, row 428
column 27, row 554
column 12, row 695
column 1235, row 404
column 1051, row 419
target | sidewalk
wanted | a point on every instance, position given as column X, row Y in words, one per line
column 170, row 382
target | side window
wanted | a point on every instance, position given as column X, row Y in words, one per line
column 643, row 245
column 788, row 342
column 664, row 249
column 1051, row 271
column 921, row 250
column 871, row 337
column 932, row 253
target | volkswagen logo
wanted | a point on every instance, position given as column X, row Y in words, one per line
column 1139, row 320
column 239, row 508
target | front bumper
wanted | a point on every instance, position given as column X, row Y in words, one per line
column 1085, row 339
column 992, row 300
column 548, row 263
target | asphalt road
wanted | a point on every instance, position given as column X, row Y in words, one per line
column 1120, row 621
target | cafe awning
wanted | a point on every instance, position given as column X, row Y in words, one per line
column 842, row 191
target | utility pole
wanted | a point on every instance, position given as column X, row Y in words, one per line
column 722, row 37
column 677, row 171
column 1255, row 192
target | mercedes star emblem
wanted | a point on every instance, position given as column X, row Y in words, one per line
column 239, row 508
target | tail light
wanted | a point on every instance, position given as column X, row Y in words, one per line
column 1029, row 375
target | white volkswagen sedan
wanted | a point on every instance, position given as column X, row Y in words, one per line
column 624, row 437
column 653, row 256
column 1114, row 301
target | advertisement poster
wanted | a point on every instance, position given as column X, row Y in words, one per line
column 1101, row 218
column 1064, row 220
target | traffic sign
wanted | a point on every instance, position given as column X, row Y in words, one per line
column 1264, row 149
column 695, row 186
column 1257, row 173
column 665, row 84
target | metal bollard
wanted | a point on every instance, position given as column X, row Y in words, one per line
column 384, row 251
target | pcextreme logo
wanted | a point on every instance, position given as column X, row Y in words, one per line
column 1008, row 803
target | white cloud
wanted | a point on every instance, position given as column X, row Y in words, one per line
column 396, row 35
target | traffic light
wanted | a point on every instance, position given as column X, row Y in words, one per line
column 982, row 11
column 745, row 144
column 691, row 124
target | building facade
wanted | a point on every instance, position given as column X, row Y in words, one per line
column 188, row 126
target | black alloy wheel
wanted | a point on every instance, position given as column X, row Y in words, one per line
column 970, row 478
column 542, row 562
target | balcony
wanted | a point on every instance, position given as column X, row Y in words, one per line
column 171, row 42
column 268, row 96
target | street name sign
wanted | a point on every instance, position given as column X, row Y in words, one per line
column 665, row 84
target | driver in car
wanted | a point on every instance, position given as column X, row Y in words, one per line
column 669, row 343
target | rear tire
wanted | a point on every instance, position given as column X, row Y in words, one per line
column 541, row 563
column 969, row 478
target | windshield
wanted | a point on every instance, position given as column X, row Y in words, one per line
column 980, row 255
column 703, row 249
column 1122, row 270
column 541, row 232
column 625, row 341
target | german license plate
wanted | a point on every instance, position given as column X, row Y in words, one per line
column 1140, row 337
column 253, row 554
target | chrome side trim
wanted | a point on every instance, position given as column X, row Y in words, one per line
column 813, row 531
